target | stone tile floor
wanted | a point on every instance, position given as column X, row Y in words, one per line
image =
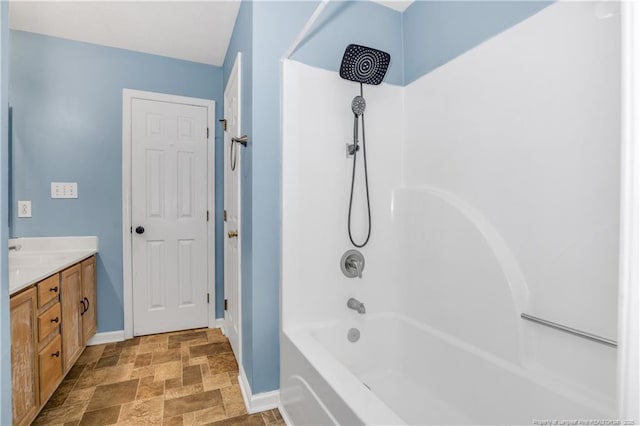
column 182, row 378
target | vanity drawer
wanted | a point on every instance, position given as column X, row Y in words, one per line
column 49, row 321
column 48, row 289
column 50, row 360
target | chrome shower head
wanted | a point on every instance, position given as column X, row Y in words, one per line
column 358, row 105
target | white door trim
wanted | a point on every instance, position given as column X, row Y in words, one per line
column 629, row 293
column 127, row 273
column 236, row 70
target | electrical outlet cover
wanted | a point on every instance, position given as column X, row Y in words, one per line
column 24, row 208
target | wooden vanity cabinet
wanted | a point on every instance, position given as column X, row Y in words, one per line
column 48, row 290
column 49, row 347
column 72, row 306
column 51, row 322
column 89, row 317
column 24, row 350
column 50, row 366
column 78, row 309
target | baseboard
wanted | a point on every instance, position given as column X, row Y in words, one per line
column 106, row 337
column 219, row 323
column 118, row 336
column 259, row 402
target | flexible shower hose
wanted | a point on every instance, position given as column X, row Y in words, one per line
column 353, row 178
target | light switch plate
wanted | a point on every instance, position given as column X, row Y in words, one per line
column 64, row 190
column 24, row 208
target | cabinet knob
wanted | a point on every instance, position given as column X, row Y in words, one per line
column 54, row 289
column 56, row 354
column 56, row 320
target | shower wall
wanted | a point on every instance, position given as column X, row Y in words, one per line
column 510, row 203
column 495, row 192
column 316, row 176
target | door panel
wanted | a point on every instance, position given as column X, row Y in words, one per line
column 185, row 269
column 24, row 371
column 71, row 306
column 89, row 317
column 233, row 157
column 169, row 200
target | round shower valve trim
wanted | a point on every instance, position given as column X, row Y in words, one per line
column 352, row 264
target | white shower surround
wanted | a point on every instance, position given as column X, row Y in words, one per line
column 495, row 191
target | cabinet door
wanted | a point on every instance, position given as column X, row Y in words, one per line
column 89, row 318
column 72, row 307
column 50, row 363
column 24, row 346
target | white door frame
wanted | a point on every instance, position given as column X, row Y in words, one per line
column 127, row 271
column 236, row 70
column 629, row 296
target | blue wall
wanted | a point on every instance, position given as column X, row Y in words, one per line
column 276, row 24
column 67, row 126
column 5, row 330
column 435, row 32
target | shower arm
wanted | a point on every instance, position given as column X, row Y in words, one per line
column 242, row 140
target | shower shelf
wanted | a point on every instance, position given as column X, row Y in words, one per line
column 571, row 330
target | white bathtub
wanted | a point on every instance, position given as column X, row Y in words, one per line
column 403, row 372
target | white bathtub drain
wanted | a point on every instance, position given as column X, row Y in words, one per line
column 353, row 335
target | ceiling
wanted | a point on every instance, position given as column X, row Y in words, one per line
column 197, row 31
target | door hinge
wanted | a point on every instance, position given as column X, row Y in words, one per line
column 207, row 297
column 224, row 216
column 226, row 304
column 207, row 215
column 131, row 229
column 224, row 124
column 207, row 133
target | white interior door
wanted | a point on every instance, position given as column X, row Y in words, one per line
column 168, row 216
column 232, row 167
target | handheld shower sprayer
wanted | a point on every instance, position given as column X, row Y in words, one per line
column 363, row 65
column 358, row 105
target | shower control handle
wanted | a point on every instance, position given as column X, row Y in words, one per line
column 352, row 264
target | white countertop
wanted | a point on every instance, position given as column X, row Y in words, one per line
column 39, row 258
